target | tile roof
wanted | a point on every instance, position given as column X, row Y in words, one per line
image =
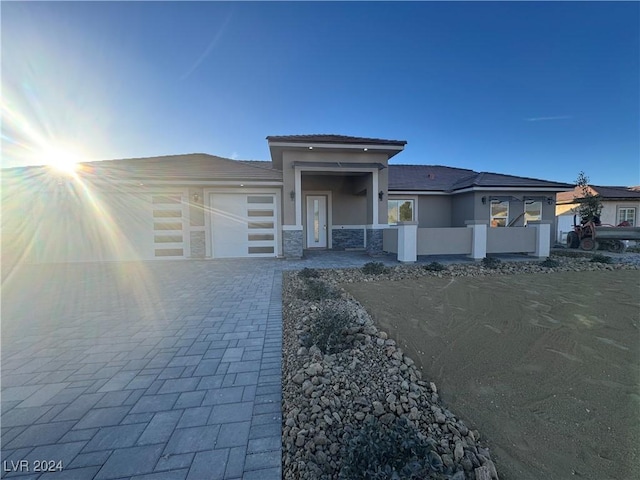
column 606, row 193
column 425, row 177
column 330, row 138
column 449, row 179
column 193, row 166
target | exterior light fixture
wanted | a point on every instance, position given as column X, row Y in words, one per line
column 365, row 149
column 549, row 200
column 484, row 200
column 310, row 148
column 292, row 194
column 196, row 197
column 380, row 195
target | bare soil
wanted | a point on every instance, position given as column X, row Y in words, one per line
column 546, row 366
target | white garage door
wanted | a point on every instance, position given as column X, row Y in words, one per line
column 243, row 225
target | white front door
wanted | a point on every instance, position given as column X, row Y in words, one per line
column 316, row 221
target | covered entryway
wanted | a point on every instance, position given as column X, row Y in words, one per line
column 243, row 225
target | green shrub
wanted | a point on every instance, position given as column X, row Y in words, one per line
column 597, row 258
column 434, row 267
column 374, row 268
column 549, row 263
column 327, row 331
column 307, row 272
column 491, row 262
column 317, row 290
column 397, row 451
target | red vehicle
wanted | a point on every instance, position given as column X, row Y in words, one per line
column 592, row 235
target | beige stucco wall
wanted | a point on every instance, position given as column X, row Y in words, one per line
column 511, row 240
column 288, row 174
column 444, row 241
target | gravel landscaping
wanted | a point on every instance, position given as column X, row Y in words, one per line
column 347, row 386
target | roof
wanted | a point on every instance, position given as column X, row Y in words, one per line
column 605, row 193
column 330, row 138
column 449, row 179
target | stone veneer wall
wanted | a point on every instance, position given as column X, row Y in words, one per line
column 292, row 243
column 347, row 238
column 197, row 244
column 374, row 241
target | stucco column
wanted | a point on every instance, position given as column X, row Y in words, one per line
column 407, row 242
column 543, row 238
column 478, row 238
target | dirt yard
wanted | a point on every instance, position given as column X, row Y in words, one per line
column 546, row 366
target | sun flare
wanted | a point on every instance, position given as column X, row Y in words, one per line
column 61, row 159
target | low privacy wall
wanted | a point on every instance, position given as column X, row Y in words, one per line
column 511, row 240
column 444, row 241
column 390, row 240
column 476, row 240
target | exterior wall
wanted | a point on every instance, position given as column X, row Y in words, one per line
column 434, row 211
column 470, row 203
column 198, row 244
column 374, row 241
column 390, row 240
column 347, row 207
column 511, row 240
column 610, row 211
column 347, row 238
column 444, row 241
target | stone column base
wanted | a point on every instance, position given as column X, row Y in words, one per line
column 374, row 241
column 292, row 243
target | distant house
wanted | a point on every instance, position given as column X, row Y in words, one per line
column 317, row 192
column 619, row 204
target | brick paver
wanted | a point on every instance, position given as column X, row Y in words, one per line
column 156, row 370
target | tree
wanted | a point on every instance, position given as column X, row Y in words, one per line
column 590, row 205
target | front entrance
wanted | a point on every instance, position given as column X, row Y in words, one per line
column 316, row 221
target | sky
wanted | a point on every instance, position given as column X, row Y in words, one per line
column 542, row 90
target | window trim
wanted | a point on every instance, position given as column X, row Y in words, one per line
column 403, row 198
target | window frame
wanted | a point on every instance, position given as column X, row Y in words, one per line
column 532, row 202
column 400, row 200
column 492, row 216
column 620, row 209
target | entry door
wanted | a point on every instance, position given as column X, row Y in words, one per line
column 316, row 221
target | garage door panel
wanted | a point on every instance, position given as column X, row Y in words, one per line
column 243, row 225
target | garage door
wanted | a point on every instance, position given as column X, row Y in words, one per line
column 243, row 225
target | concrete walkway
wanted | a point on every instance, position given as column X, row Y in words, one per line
column 157, row 370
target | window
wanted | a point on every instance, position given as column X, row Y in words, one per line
column 532, row 211
column 627, row 214
column 400, row 211
column 499, row 213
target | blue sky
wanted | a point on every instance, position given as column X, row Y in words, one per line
column 534, row 89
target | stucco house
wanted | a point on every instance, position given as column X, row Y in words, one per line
column 619, row 204
column 316, row 192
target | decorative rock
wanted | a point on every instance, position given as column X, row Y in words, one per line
column 359, row 415
column 314, row 369
column 378, row 409
column 298, row 378
column 458, row 452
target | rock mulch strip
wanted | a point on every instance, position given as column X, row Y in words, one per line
column 363, row 376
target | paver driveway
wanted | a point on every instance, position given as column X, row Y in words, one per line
column 159, row 370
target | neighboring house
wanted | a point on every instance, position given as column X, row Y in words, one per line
column 318, row 191
column 619, row 204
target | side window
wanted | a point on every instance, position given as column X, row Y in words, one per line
column 400, row 211
column 499, row 213
column 532, row 211
column 627, row 214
